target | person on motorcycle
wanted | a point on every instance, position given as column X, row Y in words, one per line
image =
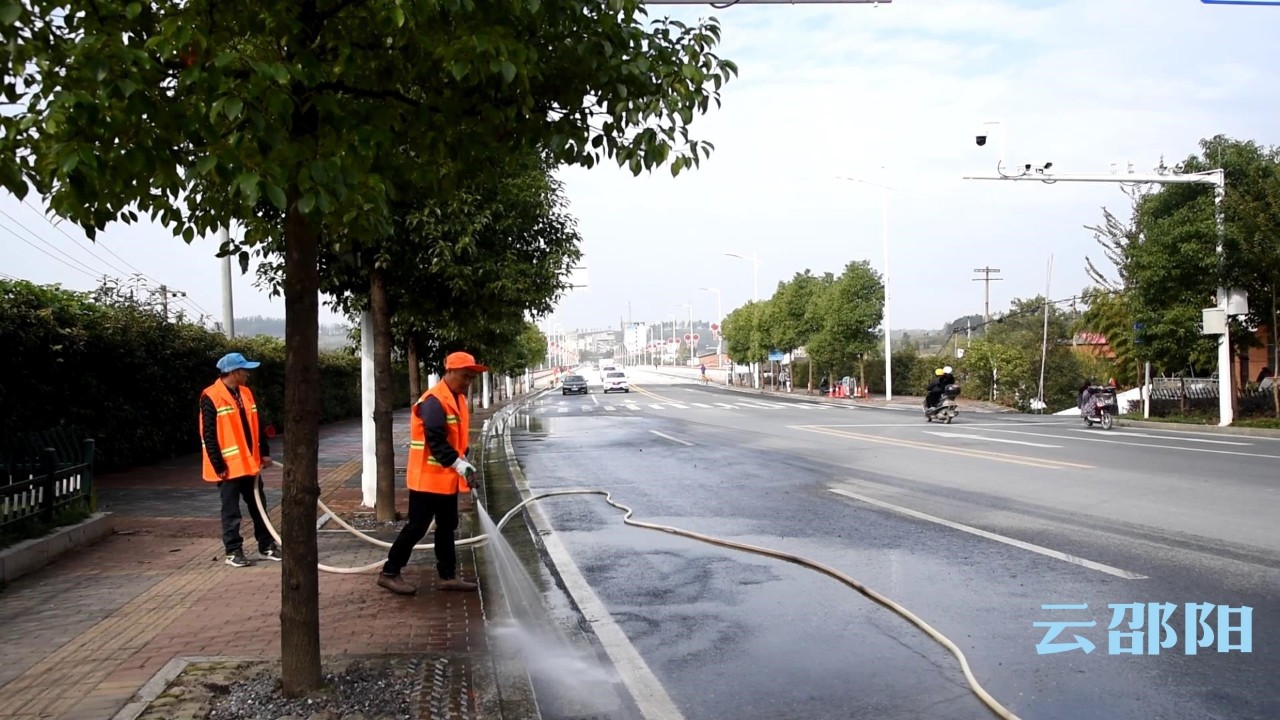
column 942, row 377
column 947, row 377
column 934, row 393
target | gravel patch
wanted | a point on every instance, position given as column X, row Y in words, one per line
column 362, row 690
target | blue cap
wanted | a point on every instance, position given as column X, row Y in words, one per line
column 235, row 361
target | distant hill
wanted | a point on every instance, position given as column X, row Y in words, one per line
column 332, row 336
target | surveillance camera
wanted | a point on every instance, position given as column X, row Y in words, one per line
column 981, row 140
column 1179, row 167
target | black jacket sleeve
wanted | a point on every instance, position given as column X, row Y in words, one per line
column 209, row 415
column 433, row 416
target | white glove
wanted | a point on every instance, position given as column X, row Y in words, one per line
column 464, row 468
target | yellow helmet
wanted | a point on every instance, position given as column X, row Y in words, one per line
column 938, row 372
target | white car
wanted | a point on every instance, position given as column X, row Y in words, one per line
column 616, row 380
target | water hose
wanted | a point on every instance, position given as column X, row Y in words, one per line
column 994, row 705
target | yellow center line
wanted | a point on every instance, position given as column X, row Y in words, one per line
column 651, row 394
column 980, row 454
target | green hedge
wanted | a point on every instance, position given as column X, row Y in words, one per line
column 119, row 373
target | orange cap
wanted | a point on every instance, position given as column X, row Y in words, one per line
column 463, row 361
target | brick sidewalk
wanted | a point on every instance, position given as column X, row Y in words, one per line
column 83, row 635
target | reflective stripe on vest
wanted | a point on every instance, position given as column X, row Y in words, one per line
column 232, row 441
column 423, row 472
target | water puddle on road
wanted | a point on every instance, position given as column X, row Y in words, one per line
column 566, row 676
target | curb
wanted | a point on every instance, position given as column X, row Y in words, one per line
column 556, row 556
column 1202, row 429
column 31, row 555
column 165, row 675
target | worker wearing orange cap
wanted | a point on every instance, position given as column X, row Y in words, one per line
column 437, row 471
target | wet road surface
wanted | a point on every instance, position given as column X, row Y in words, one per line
column 972, row 526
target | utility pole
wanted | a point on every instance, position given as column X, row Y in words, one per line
column 228, row 313
column 987, row 279
column 164, row 302
column 1218, row 316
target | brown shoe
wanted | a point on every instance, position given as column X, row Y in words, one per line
column 396, row 584
column 458, row 584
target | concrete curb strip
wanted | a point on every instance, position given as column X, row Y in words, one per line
column 156, row 686
column 31, row 555
column 1203, row 429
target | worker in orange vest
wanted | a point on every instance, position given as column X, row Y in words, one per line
column 437, row 471
column 235, row 451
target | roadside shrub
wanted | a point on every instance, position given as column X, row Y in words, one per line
column 118, row 372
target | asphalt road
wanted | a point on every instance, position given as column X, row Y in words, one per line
column 972, row 526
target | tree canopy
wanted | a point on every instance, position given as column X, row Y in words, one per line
column 201, row 113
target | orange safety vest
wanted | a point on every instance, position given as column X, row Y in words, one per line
column 424, row 473
column 241, row 462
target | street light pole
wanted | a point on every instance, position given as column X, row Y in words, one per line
column 884, row 240
column 1162, row 176
column 755, row 280
column 719, row 330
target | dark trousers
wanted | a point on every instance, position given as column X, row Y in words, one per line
column 422, row 507
column 233, row 491
column 931, row 399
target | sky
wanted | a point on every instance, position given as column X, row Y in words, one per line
column 892, row 94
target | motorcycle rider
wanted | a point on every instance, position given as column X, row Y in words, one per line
column 942, row 377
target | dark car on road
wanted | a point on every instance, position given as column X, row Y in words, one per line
column 574, row 384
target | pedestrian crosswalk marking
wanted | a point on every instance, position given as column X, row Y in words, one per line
column 702, row 405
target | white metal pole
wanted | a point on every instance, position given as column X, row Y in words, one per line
column 484, row 390
column 888, row 342
column 228, row 310
column 1226, row 377
column 368, row 434
column 1044, row 346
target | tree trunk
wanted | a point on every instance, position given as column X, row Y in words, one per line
column 385, row 505
column 299, row 579
column 415, row 371
column 810, row 374
column 1275, row 346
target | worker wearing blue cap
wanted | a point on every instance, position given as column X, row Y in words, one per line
column 235, row 451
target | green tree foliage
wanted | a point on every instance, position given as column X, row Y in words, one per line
column 833, row 318
column 794, row 313
column 849, row 311
column 194, row 112
column 1166, row 256
column 1008, row 358
column 746, row 333
column 136, row 377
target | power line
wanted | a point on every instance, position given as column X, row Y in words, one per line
column 41, row 239
column 70, row 237
column 93, row 275
column 97, row 257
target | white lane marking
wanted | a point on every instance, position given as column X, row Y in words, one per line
column 632, row 406
column 650, row 696
column 679, row 406
column 727, row 406
column 990, row 439
column 655, row 406
column 756, row 406
column 1126, row 433
column 562, row 409
column 668, row 437
column 1149, row 446
column 588, row 408
column 993, row 536
column 702, row 405
column 911, row 425
column 593, row 399
column 610, row 407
